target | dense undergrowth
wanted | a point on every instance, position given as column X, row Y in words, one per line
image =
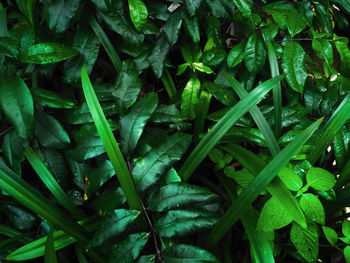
column 174, row 131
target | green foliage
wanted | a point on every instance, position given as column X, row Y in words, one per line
column 125, row 135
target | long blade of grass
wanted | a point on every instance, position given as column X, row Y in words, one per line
column 168, row 83
column 51, row 183
column 223, row 125
column 343, row 178
column 259, row 183
column 257, row 115
column 112, row 53
column 50, row 254
column 110, row 143
column 276, row 188
column 277, row 92
column 334, row 124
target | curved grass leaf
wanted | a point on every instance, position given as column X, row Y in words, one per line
column 112, row 53
column 183, row 253
column 223, row 125
column 148, row 169
column 80, row 255
column 17, row 103
column 44, row 53
column 51, row 183
column 110, row 143
column 260, row 182
column 132, row 124
column 129, row 249
column 168, row 83
column 50, row 255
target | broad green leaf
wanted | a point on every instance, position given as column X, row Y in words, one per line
column 320, row 179
column 347, row 254
column 149, row 168
column 172, row 27
column 81, row 114
column 117, row 18
column 109, row 201
column 324, row 50
column 50, row 255
column 254, row 53
column 146, row 259
column 214, row 56
column 312, row 208
column 114, row 223
column 293, row 66
column 243, row 177
column 202, row 68
column 222, row 126
column 44, row 53
column 295, row 22
column 51, row 183
column 179, row 195
column 110, row 143
column 166, row 114
column 346, row 228
column 260, row 182
column 89, row 148
column 48, row 98
column 236, row 54
column 12, row 149
column 88, row 46
column 279, row 11
column 330, row 234
column 191, row 25
column 305, row 241
column 273, row 216
column 243, row 7
column 19, row 217
column 191, row 53
column 290, row 179
column 182, row 253
column 132, row 124
column 190, row 98
column 184, row 222
column 17, row 104
column 129, row 249
column 60, row 14
column 192, row 6
column 158, row 55
column 138, row 13
column 50, row 132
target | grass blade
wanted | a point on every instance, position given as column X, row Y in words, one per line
column 110, row 143
column 259, row 183
column 277, row 92
column 112, row 53
column 168, row 83
column 50, row 255
column 343, row 178
column 257, row 115
column 334, row 124
column 51, row 183
column 223, row 125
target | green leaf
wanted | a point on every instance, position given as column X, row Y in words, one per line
column 17, row 104
column 172, row 27
column 273, row 216
column 295, row 22
column 184, row 222
column 192, row 6
column 81, row 114
column 132, row 124
column 12, row 149
column 236, row 54
column 50, row 255
column 148, row 169
column 113, row 224
column 312, row 208
column 50, row 132
column 255, row 53
column 191, row 53
column 305, row 241
column 110, row 143
column 293, row 66
column 88, row 46
column 89, row 148
column 344, row 3
column 158, row 55
column 324, row 50
column 347, row 254
column 346, row 228
column 60, row 14
column 192, row 26
column 290, row 179
column 179, row 195
column 110, row 200
column 48, row 98
column 320, row 179
column 222, row 126
column 44, row 53
column 330, row 234
column 260, row 182
column 243, row 7
column 190, row 98
column 138, row 13
column 146, row 259
column 129, row 249
column 202, row 68
column 179, row 253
